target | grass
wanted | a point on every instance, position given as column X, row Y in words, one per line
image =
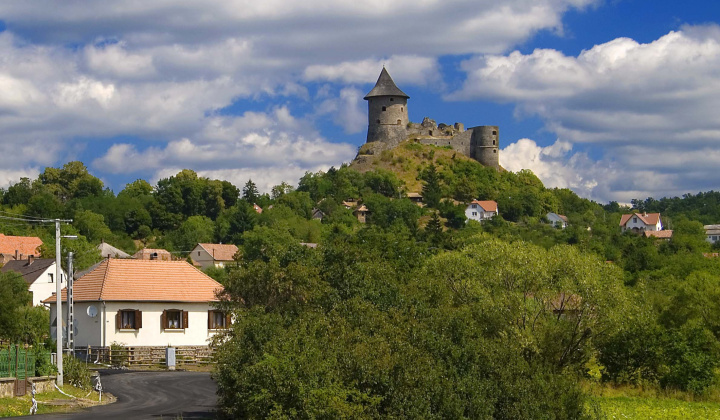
column 54, row 402
column 626, row 402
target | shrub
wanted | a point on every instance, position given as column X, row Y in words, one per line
column 76, row 372
column 118, row 354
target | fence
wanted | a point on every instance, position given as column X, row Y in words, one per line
column 146, row 356
column 20, row 363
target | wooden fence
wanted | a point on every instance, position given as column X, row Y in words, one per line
column 146, row 356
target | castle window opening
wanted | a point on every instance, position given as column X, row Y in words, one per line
column 392, row 99
column 384, row 108
column 378, row 121
column 494, row 150
column 494, row 133
column 399, row 122
column 430, row 132
column 401, row 109
column 493, row 142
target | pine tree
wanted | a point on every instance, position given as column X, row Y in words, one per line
column 250, row 192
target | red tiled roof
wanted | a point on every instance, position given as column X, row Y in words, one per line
column 660, row 234
column 26, row 245
column 220, row 252
column 647, row 218
column 142, row 280
column 486, row 205
column 257, row 208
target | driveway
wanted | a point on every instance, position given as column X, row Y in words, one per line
column 152, row 395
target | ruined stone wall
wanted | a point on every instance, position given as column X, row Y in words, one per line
column 460, row 142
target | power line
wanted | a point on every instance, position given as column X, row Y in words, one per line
column 22, row 215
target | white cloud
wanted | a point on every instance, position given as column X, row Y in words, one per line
column 650, row 107
column 273, row 147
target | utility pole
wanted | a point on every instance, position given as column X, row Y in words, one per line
column 71, row 306
column 58, row 301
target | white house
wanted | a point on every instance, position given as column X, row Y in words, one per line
column 39, row 274
column 640, row 222
column 712, row 233
column 218, row 255
column 481, row 210
column 557, row 220
column 144, row 303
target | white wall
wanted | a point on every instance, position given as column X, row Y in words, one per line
column 42, row 288
column 90, row 330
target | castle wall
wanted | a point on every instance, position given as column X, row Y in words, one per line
column 387, row 119
column 460, row 142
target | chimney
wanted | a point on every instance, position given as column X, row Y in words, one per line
column 30, row 259
column 17, row 255
column 21, row 256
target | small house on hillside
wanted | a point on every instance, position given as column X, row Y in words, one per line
column 39, row 274
column 317, row 214
column 144, row 303
column 14, row 248
column 557, row 220
column 640, row 222
column 218, row 255
column 416, row 198
column 257, row 208
column 109, row 251
column 665, row 235
column 361, row 213
column 153, row 254
column 712, row 233
column 481, row 210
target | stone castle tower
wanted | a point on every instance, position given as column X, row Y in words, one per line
column 388, row 124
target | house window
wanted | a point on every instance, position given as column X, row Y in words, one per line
column 128, row 319
column 384, row 108
column 50, row 277
column 634, row 219
column 218, row 320
column 474, row 213
column 474, row 206
column 174, row 319
column 198, row 253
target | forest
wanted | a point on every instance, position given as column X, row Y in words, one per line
column 416, row 313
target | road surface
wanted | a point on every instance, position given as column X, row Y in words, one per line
column 152, row 395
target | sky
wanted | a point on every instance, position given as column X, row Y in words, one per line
column 614, row 99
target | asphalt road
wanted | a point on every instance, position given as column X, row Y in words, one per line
column 152, row 395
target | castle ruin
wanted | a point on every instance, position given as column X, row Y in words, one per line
column 388, row 125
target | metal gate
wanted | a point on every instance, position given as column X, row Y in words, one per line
column 17, row 362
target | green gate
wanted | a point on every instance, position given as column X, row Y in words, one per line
column 19, row 362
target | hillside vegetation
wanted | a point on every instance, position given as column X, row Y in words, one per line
column 398, row 319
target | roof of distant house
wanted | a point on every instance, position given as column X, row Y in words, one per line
column 414, row 195
column 647, row 218
column 257, row 208
column 142, row 280
column 30, row 269
column 361, row 209
column 712, row 229
column 26, row 245
column 486, row 205
column 109, row 251
column 660, row 234
column 146, row 253
column 220, row 252
column 385, row 86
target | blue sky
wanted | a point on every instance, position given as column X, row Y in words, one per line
column 614, row 99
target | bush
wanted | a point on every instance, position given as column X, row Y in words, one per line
column 118, row 354
column 76, row 372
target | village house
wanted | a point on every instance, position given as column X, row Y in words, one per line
column 143, row 303
column 712, row 233
column 109, row 251
column 640, row 222
column 153, row 254
column 361, row 213
column 39, row 274
column 218, row 255
column 557, row 220
column 481, row 210
column 14, row 248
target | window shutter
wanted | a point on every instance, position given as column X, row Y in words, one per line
column 138, row 319
column 163, row 319
column 228, row 320
column 118, row 320
column 185, row 319
column 210, row 319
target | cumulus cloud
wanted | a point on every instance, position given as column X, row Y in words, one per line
column 650, row 107
column 271, row 147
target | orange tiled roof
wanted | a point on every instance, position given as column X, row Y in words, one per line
column 660, row 234
column 145, row 253
column 220, row 252
column 486, row 205
column 142, row 280
column 26, row 245
column 647, row 218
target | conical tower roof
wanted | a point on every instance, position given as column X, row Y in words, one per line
column 385, row 87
